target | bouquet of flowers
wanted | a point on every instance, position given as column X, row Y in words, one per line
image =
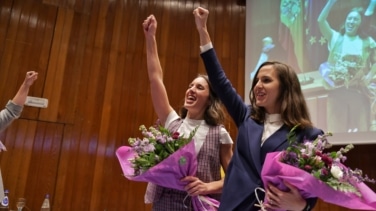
column 347, row 71
column 163, row 158
column 156, row 146
column 317, row 173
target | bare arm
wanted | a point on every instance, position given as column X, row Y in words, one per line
column 370, row 75
column 226, row 154
column 23, row 91
column 158, row 90
column 197, row 187
column 372, row 72
column 14, row 108
column 201, row 17
column 324, row 26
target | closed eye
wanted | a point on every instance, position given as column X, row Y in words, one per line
column 266, row 80
column 198, row 86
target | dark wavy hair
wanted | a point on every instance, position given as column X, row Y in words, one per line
column 294, row 109
column 362, row 30
column 214, row 113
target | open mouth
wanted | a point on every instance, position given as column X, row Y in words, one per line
column 190, row 99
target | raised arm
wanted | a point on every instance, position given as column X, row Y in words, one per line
column 201, row 17
column 23, row 91
column 324, row 26
column 14, row 107
column 221, row 85
column 157, row 88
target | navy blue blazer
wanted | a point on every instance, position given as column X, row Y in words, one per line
column 243, row 174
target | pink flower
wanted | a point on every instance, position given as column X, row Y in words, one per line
column 324, row 171
column 308, row 167
column 327, row 160
column 175, row 135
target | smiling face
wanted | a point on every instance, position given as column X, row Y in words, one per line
column 266, row 89
column 197, row 98
column 352, row 23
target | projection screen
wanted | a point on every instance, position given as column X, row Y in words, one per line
column 330, row 44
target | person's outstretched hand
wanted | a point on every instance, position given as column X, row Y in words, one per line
column 201, row 17
column 20, row 97
column 290, row 200
column 150, row 26
column 195, row 186
column 31, row 76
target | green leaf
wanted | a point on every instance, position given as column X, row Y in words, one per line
column 291, row 136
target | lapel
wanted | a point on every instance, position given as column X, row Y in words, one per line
column 276, row 142
column 255, row 135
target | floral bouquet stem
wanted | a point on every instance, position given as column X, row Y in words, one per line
column 276, row 172
column 317, row 173
column 168, row 172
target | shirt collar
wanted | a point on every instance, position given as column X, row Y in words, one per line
column 272, row 118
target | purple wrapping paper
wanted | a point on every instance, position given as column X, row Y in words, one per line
column 169, row 172
column 276, row 172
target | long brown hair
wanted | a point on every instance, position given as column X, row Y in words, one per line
column 294, row 109
column 214, row 113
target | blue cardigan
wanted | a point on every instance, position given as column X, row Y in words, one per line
column 244, row 170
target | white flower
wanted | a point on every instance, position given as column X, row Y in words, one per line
column 336, row 172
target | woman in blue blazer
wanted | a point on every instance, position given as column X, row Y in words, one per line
column 277, row 105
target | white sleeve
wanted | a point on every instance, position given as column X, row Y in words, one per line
column 206, row 47
column 172, row 116
column 225, row 137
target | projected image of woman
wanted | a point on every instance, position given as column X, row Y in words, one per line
column 348, row 107
column 370, row 81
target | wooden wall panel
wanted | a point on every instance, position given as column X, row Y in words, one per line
column 29, row 166
column 76, row 5
column 56, row 65
column 22, row 49
column 91, row 60
column 5, row 10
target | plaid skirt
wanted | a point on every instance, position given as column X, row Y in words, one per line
column 172, row 200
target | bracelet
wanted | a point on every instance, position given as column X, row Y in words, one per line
column 307, row 207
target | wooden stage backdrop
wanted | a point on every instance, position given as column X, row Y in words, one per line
column 90, row 55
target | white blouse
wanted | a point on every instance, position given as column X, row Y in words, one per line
column 272, row 123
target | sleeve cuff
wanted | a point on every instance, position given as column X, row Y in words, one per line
column 204, row 48
column 14, row 108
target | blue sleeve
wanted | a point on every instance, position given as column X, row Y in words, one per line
column 223, row 87
column 311, row 203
